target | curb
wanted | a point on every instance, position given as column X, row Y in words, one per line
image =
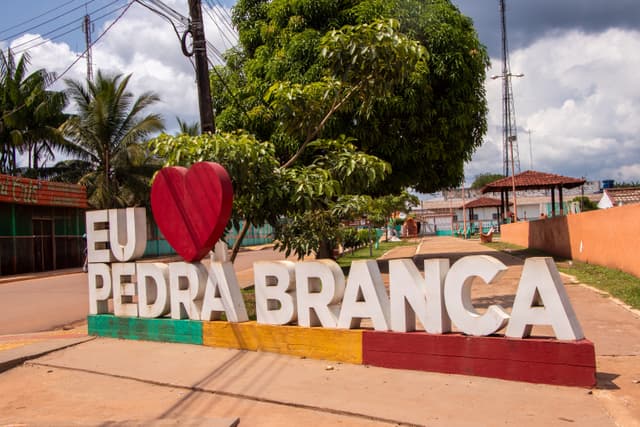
column 14, row 357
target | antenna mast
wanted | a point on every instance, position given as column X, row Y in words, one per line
column 86, row 28
column 510, row 151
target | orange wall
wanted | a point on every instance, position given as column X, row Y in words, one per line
column 608, row 237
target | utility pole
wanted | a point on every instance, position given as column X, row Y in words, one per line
column 207, row 123
column 86, row 29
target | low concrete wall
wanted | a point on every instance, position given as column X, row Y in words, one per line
column 609, row 237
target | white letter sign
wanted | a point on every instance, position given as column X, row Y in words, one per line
column 275, row 292
column 222, row 294
column 319, row 288
column 540, row 278
column 412, row 296
column 457, row 293
column 129, row 226
column 153, row 289
column 186, row 281
column 365, row 297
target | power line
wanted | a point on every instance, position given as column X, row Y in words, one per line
column 221, row 30
column 35, row 17
column 106, row 30
column 66, row 70
column 58, row 36
column 48, row 20
column 225, row 20
column 168, row 19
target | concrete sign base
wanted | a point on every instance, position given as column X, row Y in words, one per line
column 534, row 360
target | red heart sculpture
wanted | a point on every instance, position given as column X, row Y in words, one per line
column 192, row 207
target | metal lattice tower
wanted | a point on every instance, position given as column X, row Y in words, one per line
column 87, row 28
column 509, row 128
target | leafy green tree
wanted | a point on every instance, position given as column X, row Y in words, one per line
column 107, row 133
column 341, row 90
column 484, row 179
column 29, row 115
column 426, row 120
column 586, row 204
column 265, row 192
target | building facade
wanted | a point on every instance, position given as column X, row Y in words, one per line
column 41, row 225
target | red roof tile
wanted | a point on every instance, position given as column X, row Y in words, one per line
column 530, row 180
column 484, row 202
column 624, row 195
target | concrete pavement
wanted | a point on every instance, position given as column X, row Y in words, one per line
column 141, row 383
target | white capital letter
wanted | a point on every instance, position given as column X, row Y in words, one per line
column 128, row 225
column 412, row 295
column 319, row 288
column 98, row 236
column 365, row 297
column 541, row 283
column 275, row 292
column 186, row 281
column 124, row 289
column 222, row 294
column 100, row 290
column 153, row 289
column 457, row 293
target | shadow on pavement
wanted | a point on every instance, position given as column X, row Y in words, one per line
column 418, row 260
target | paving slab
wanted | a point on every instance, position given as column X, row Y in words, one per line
column 355, row 394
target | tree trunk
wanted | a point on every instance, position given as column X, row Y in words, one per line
column 325, row 251
column 238, row 242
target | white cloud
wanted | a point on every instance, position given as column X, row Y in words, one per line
column 580, row 98
column 142, row 44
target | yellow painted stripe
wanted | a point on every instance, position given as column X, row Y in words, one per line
column 315, row 343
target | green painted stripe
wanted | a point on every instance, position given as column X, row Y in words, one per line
column 134, row 328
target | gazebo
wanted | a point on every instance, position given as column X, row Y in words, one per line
column 533, row 180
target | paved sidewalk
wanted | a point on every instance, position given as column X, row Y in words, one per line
column 156, row 383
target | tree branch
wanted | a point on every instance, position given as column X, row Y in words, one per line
column 314, row 133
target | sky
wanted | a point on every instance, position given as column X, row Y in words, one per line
column 579, row 97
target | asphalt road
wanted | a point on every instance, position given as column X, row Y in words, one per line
column 43, row 304
column 51, row 302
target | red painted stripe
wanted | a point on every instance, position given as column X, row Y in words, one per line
column 533, row 360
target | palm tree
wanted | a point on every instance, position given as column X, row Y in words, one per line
column 108, row 131
column 184, row 128
column 29, row 114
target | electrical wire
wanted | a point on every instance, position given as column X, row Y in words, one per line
column 222, row 31
column 224, row 19
column 58, row 36
column 16, row 48
column 66, row 70
column 48, row 21
column 168, row 19
column 35, row 17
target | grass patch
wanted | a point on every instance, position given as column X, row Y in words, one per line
column 363, row 253
column 249, row 297
column 619, row 284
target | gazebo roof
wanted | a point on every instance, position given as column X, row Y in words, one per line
column 483, row 202
column 532, row 180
